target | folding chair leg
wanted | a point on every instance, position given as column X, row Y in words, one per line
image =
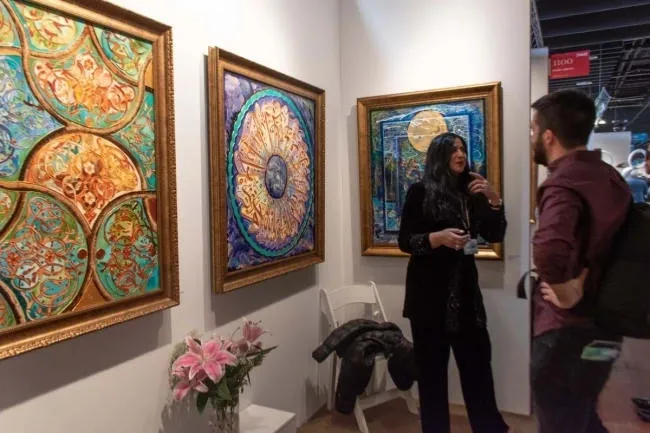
column 361, row 419
column 332, row 389
column 411, row 402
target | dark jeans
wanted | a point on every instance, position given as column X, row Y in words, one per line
column 473, row 356
column 566, row 387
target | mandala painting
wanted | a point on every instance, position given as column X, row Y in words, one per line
column 80, row 193
column 394, row 136
column 267, row 137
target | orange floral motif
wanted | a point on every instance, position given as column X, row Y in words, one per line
column 86, row 168
column 7, row 318
column 86, row 83
column 5, row 204
column 8, row 35
column 48, row 31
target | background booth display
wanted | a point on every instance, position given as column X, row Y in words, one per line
column 394, row 135
column 267, row 138
column 88, row 232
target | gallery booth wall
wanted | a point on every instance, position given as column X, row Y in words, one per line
column 116, row 380
column 423, row 45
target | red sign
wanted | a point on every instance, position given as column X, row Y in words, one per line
column 569, row 65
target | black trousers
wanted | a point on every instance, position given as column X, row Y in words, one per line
column 472, row 351
column 565, row 386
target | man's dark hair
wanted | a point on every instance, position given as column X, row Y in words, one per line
column 569, row 114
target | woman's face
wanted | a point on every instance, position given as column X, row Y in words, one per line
column 458, row 160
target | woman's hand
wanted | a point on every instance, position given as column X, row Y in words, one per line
column 450, row 238
column 481, row 186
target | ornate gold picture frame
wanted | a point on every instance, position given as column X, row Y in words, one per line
column 88, row 232
column 394, row 134
column 267, row 166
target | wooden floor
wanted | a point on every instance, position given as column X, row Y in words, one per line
column 616, row 411
column 394, row 417
column 630, row 378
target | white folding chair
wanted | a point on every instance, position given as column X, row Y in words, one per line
column 353, row 302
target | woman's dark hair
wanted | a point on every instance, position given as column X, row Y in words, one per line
column 444, row 189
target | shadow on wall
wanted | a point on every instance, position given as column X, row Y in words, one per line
column 182, row 417
column 179, row 417
column 315, row 396
column 227, row 307
column 74, row 360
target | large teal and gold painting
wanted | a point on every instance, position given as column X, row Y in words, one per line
column 87, row 217
column 266, row 168
column 394, row 136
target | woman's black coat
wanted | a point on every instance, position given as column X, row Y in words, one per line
column 435, row 275
column 358, row 342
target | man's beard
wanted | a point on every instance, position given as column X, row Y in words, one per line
column 539, row 155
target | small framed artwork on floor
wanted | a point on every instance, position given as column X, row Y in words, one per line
column 267, row 156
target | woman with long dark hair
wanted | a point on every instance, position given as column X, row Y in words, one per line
column 442, row 218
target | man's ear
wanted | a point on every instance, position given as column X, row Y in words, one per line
column 548, row 137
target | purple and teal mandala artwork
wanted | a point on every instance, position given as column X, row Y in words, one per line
column 269, row 169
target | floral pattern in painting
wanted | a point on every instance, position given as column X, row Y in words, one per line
column 77, row 166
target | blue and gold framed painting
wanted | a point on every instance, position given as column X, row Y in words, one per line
column 394, row 135
column 267, row 135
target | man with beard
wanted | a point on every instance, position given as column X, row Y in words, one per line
column 582, row 204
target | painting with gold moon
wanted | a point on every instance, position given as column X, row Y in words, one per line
column 87, row 184
column 394, row 135
column 266, row 168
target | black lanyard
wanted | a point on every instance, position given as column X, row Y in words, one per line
column 465, row 215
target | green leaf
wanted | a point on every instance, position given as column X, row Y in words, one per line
column 201, row 402
column 223, row 392
column 263, row 352
column 269, row 349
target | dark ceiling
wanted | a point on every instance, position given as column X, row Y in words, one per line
column 617, row 32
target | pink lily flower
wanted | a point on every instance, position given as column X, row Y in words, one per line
column 241, row 347
column 209, row 358
column 252, row 331
column 226, row 344
column 184, row 386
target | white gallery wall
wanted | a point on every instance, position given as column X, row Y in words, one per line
column 115, row 381
column 539, row 87
column 390, row 46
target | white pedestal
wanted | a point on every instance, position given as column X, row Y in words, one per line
column 260, row 419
